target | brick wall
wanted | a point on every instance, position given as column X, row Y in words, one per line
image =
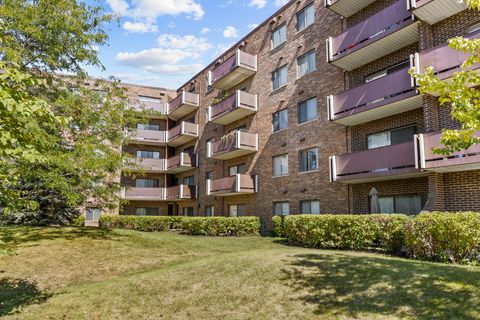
column 462, row 190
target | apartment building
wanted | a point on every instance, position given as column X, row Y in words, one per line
column 310, row 113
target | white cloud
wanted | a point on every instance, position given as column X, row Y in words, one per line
column 189, row 42
column 280, row 3
column 259, row 4
column 252, row 26
column 205, row 30
column 154, row 8
column 140, row 27
column 230, row 32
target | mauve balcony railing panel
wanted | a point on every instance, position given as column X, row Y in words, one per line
column 378, row 33
column 151, row 165
column 368, row 98
column 377, row 163
column 445, row 60
column 181, row 192
column 182, row 159
column 159, row 107
column 183, row 104
column 232, row 108
column 146, row 194
column 148, row 136
column 433, row 11
column 233, row 70
column 183, row 133
column 237, row 184
column 239, row 143
column 346, row 8
column 463, row 160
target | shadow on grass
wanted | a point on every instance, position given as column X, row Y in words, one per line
column 16, row 236
column 356, row 285
column 17, row 293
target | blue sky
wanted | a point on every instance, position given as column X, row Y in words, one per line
column 165, row 42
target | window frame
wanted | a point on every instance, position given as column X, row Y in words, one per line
column 283, row 67
column 147, row 179
column 305, row 55
column 415, row 126
column 212, row 211
column 139, row 154
column 276, row 203
column 395, row 211
column 307, row 151
column 278, row 113
column 237, row 166
column 304, row 10
column 273, row 165
column 310, row 203
column 277, row 29
column 306, row 104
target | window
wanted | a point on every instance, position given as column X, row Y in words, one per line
column 279, row 36
column 146, row 183
column 310, row 207
column 305, row 17
column 146, row 211
column 306, row 64
column 280, row 120
column 189, row 150
column 474, row 28
column 307, row 160
column 93, row 214
column 391, row 137
column 410, row 204
column 280, row 165
column 307, row 110
column 149, row 99
column 279, row 78
column 236, row 210
column 146, row 126
column 387, row 71
column 208, row 175
column 148, row 154
column 209, row 211
column 209, row 87
column 188, row 211
column 281, row 208
column 238, row 169
column 189, row 181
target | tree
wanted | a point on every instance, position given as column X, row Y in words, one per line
column 461, row 93
column 61, row 136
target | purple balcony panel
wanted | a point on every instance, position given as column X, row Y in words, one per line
column 234, row 145
column 183, row 104
column 183, row 133
column 379, row 163
column 459, row 161
column 233, row 70
column 379, row 98
column 149, row 136
column 237, row 184
column 236, row 106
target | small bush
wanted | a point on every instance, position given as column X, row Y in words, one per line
column 444, row 236
column 209, row 226
column 79, row 221
column 278, row 222
column 346, row 231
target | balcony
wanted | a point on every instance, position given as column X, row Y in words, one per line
column 151, row 165
column 392, row 94
column 182, row 162
column 433, row 11
column 385, row 32
column 148, row 137
column 233, row 70
column 143, row 194
column 239, row 184
column 184, row 104
column 160, row 108
column 460, row 161
column 444, row 60
column 385, row 163
column 183, row 133
column 346, row 8
column 233, row 145
column 181, row 192
column 235, row 107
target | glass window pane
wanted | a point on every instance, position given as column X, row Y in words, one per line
column 310, row 15
column 312, row 159
column 403, row 135
column 386, row 204
column 301, row 20
column 303, row 161
column 315, row 207
column 233, row 210
column 408, row 204
column 241, row 210
column 305, row 207
column 379, row 140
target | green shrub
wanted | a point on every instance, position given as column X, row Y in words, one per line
column 209, row 226
column 278, row 222
column 346, row 231
column 444, row 236
column 79, row 221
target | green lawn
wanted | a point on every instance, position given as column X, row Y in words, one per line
column 69, row 273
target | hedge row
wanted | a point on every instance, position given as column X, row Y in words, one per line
column 208, row 226
column 436, row 236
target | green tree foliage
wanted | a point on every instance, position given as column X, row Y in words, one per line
column 460, row 92
column 60, row 136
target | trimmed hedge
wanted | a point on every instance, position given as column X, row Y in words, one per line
column 432, row 236
column 209, row 226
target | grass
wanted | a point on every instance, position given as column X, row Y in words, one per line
column 76, row 273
